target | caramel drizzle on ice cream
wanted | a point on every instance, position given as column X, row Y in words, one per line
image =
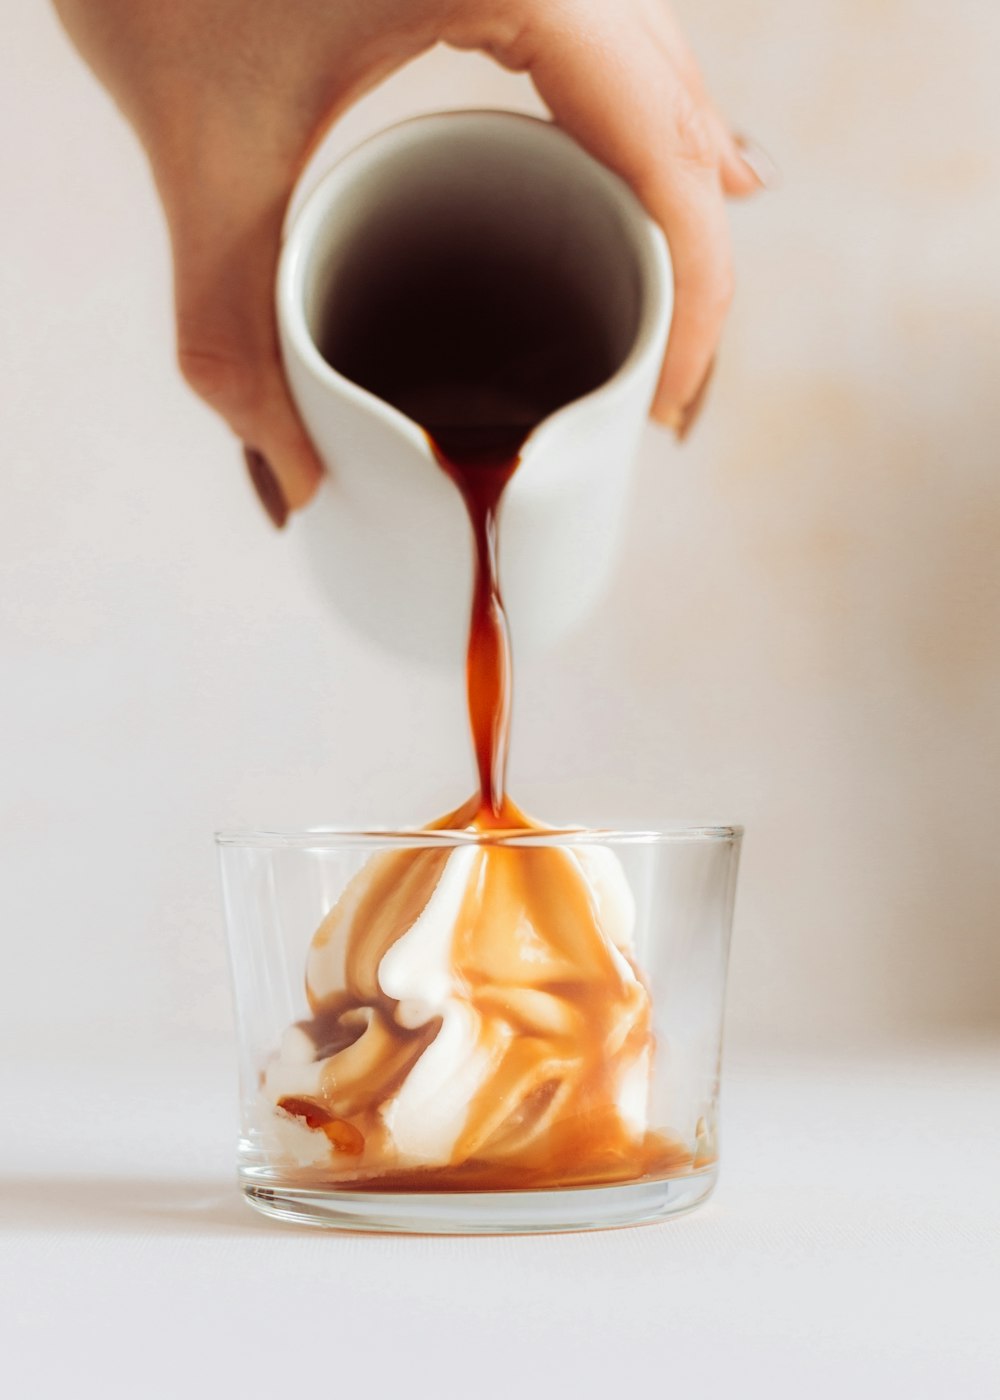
column 478, row 1022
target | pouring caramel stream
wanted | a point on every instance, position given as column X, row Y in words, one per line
column 481, row 463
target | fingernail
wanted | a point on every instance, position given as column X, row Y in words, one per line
column 266, row 484
column 691, row 411
column 760, row 164
column 671, row 418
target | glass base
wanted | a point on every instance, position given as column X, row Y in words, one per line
column 483, row 1212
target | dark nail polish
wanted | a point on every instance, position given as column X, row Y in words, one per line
column 692, row 410
column 761, row 166
column 266, row 484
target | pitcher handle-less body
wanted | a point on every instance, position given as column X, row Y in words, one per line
column 387, row 536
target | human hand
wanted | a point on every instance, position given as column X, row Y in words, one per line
column 229, row 97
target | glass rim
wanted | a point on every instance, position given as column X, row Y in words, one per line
column 379, row 838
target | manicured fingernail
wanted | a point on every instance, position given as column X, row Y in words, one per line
column 671, row 417
column 266, row 484
column 760, row 164
column 690, row 412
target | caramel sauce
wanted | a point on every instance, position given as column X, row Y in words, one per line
column 560, row 1009
column 481, row 465
column 343, row 1137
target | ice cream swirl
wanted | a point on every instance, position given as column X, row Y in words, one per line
column 478, row 1022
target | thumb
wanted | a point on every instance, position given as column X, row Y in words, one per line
column 225, row 242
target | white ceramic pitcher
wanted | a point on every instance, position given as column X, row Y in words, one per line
column 387, row 536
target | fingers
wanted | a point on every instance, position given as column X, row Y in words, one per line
column 743, row 167
column 689, row 204
column 615, row 88
column 225, row 244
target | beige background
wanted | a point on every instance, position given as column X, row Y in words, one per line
column 804, row 634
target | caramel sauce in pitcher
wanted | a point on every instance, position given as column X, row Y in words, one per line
column 538, row 954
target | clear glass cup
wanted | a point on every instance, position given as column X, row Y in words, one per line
column 510, row 1081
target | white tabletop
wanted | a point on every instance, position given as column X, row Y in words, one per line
column 851, row 1249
